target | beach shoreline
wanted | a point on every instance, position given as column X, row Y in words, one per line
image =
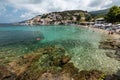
column 112, row 36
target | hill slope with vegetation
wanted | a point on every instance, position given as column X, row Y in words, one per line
column 56, row 18
column 99, row 13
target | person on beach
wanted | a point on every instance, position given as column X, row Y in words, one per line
column 110, row 32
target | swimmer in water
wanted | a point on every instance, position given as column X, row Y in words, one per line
column 38, row 39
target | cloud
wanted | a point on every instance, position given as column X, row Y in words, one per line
column 45, row 6
column 115, row 2
column 2, row 8
column 31, row 8
column 27, row 15
column 102, row 4
column 36, row 7
column 15, row 10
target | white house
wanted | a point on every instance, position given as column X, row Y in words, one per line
column 100, row 21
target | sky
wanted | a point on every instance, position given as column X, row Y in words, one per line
column 20, row 10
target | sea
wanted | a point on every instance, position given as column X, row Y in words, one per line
column 82, row 44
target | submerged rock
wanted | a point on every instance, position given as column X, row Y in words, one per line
column 115, row 55
column 111, row 45
column 55, row 76
column 70, row 69
column 70, row 72
column 90, row 75
column 115, row 76
column 46, row 64
column 82, row 75
column 117, row 52
column 6, row 74
column 32, row 66
column 65, row 60
column 23, row 63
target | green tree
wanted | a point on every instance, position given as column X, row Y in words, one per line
column 78, row 17
column 118, row 15
column 88, row 18
column 113, row 15
column 71, row 18
column 82, row 14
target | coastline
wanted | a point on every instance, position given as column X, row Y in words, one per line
column 113, row 36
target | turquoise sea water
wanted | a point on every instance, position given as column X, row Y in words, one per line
column 81, row 44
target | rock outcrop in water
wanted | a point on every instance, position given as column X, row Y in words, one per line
column 111, row 45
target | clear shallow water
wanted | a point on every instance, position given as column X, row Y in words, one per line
column 81, row 44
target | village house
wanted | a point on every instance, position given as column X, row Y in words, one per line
column 100, row 21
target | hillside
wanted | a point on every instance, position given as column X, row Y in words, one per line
column 56, row 18
column 99, row 12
